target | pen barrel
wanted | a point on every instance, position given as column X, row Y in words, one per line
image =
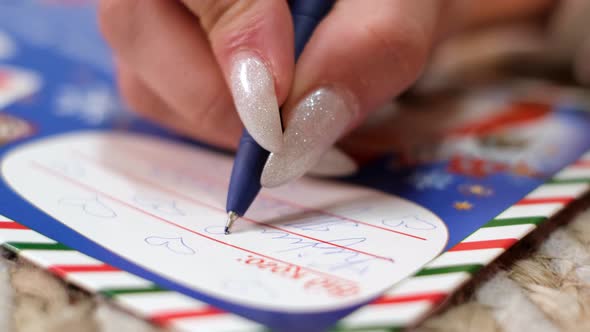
column 306, row 16
column 245, row 174
column 250, row 158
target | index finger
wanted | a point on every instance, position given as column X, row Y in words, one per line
column 362, row 54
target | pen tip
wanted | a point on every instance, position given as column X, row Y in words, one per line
column 231, row 218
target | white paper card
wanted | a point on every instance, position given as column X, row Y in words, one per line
column 312, row 245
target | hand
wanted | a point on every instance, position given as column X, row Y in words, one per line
column 186, row 63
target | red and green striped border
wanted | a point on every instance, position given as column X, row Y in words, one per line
column 403, row 305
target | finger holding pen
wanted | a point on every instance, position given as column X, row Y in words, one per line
column 253, row 44
column 363, row 54
column 346, row 71
column 204, row 59
column 190, row 64
column 163, row 54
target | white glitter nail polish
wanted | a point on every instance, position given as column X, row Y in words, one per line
column 252, row 87
column 312, row 128
column 334, row 163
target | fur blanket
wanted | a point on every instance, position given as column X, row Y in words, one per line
column 547, row 291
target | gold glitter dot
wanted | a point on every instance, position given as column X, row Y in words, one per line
column 463, row 206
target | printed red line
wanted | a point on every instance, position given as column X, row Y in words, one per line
column 63, row 270
column 195, row 201
column 114, row 199
column 198, row 202
column 341, row 217
column 11, row 225
column 319, row 240
column 530, row 201
column 581, row 164
column 280, row 200
column 164, row 318
column 431, row 297
column 487, row 244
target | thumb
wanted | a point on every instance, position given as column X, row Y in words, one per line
column 346, row 71
column 253, row 43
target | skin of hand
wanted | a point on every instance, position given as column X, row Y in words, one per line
column 206, row 68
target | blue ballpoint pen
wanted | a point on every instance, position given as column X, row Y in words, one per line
column 244, row 183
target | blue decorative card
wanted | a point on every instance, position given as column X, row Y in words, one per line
column 79, row 169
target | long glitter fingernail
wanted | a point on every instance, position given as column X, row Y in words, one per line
column 334, row 163
column 312, row 128
column 252, row 87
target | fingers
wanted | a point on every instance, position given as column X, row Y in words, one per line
column 334, row 163
column 140, row 98
column 465, row 15
column 568, row 37
column 346, row 70
column 165, row 48
column 581, row 64
column 253, row 43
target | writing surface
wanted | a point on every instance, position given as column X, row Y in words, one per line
column 312, row 245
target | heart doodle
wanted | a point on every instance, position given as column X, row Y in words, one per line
column 92, row 206
column 174, row 244
column 163, row 205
